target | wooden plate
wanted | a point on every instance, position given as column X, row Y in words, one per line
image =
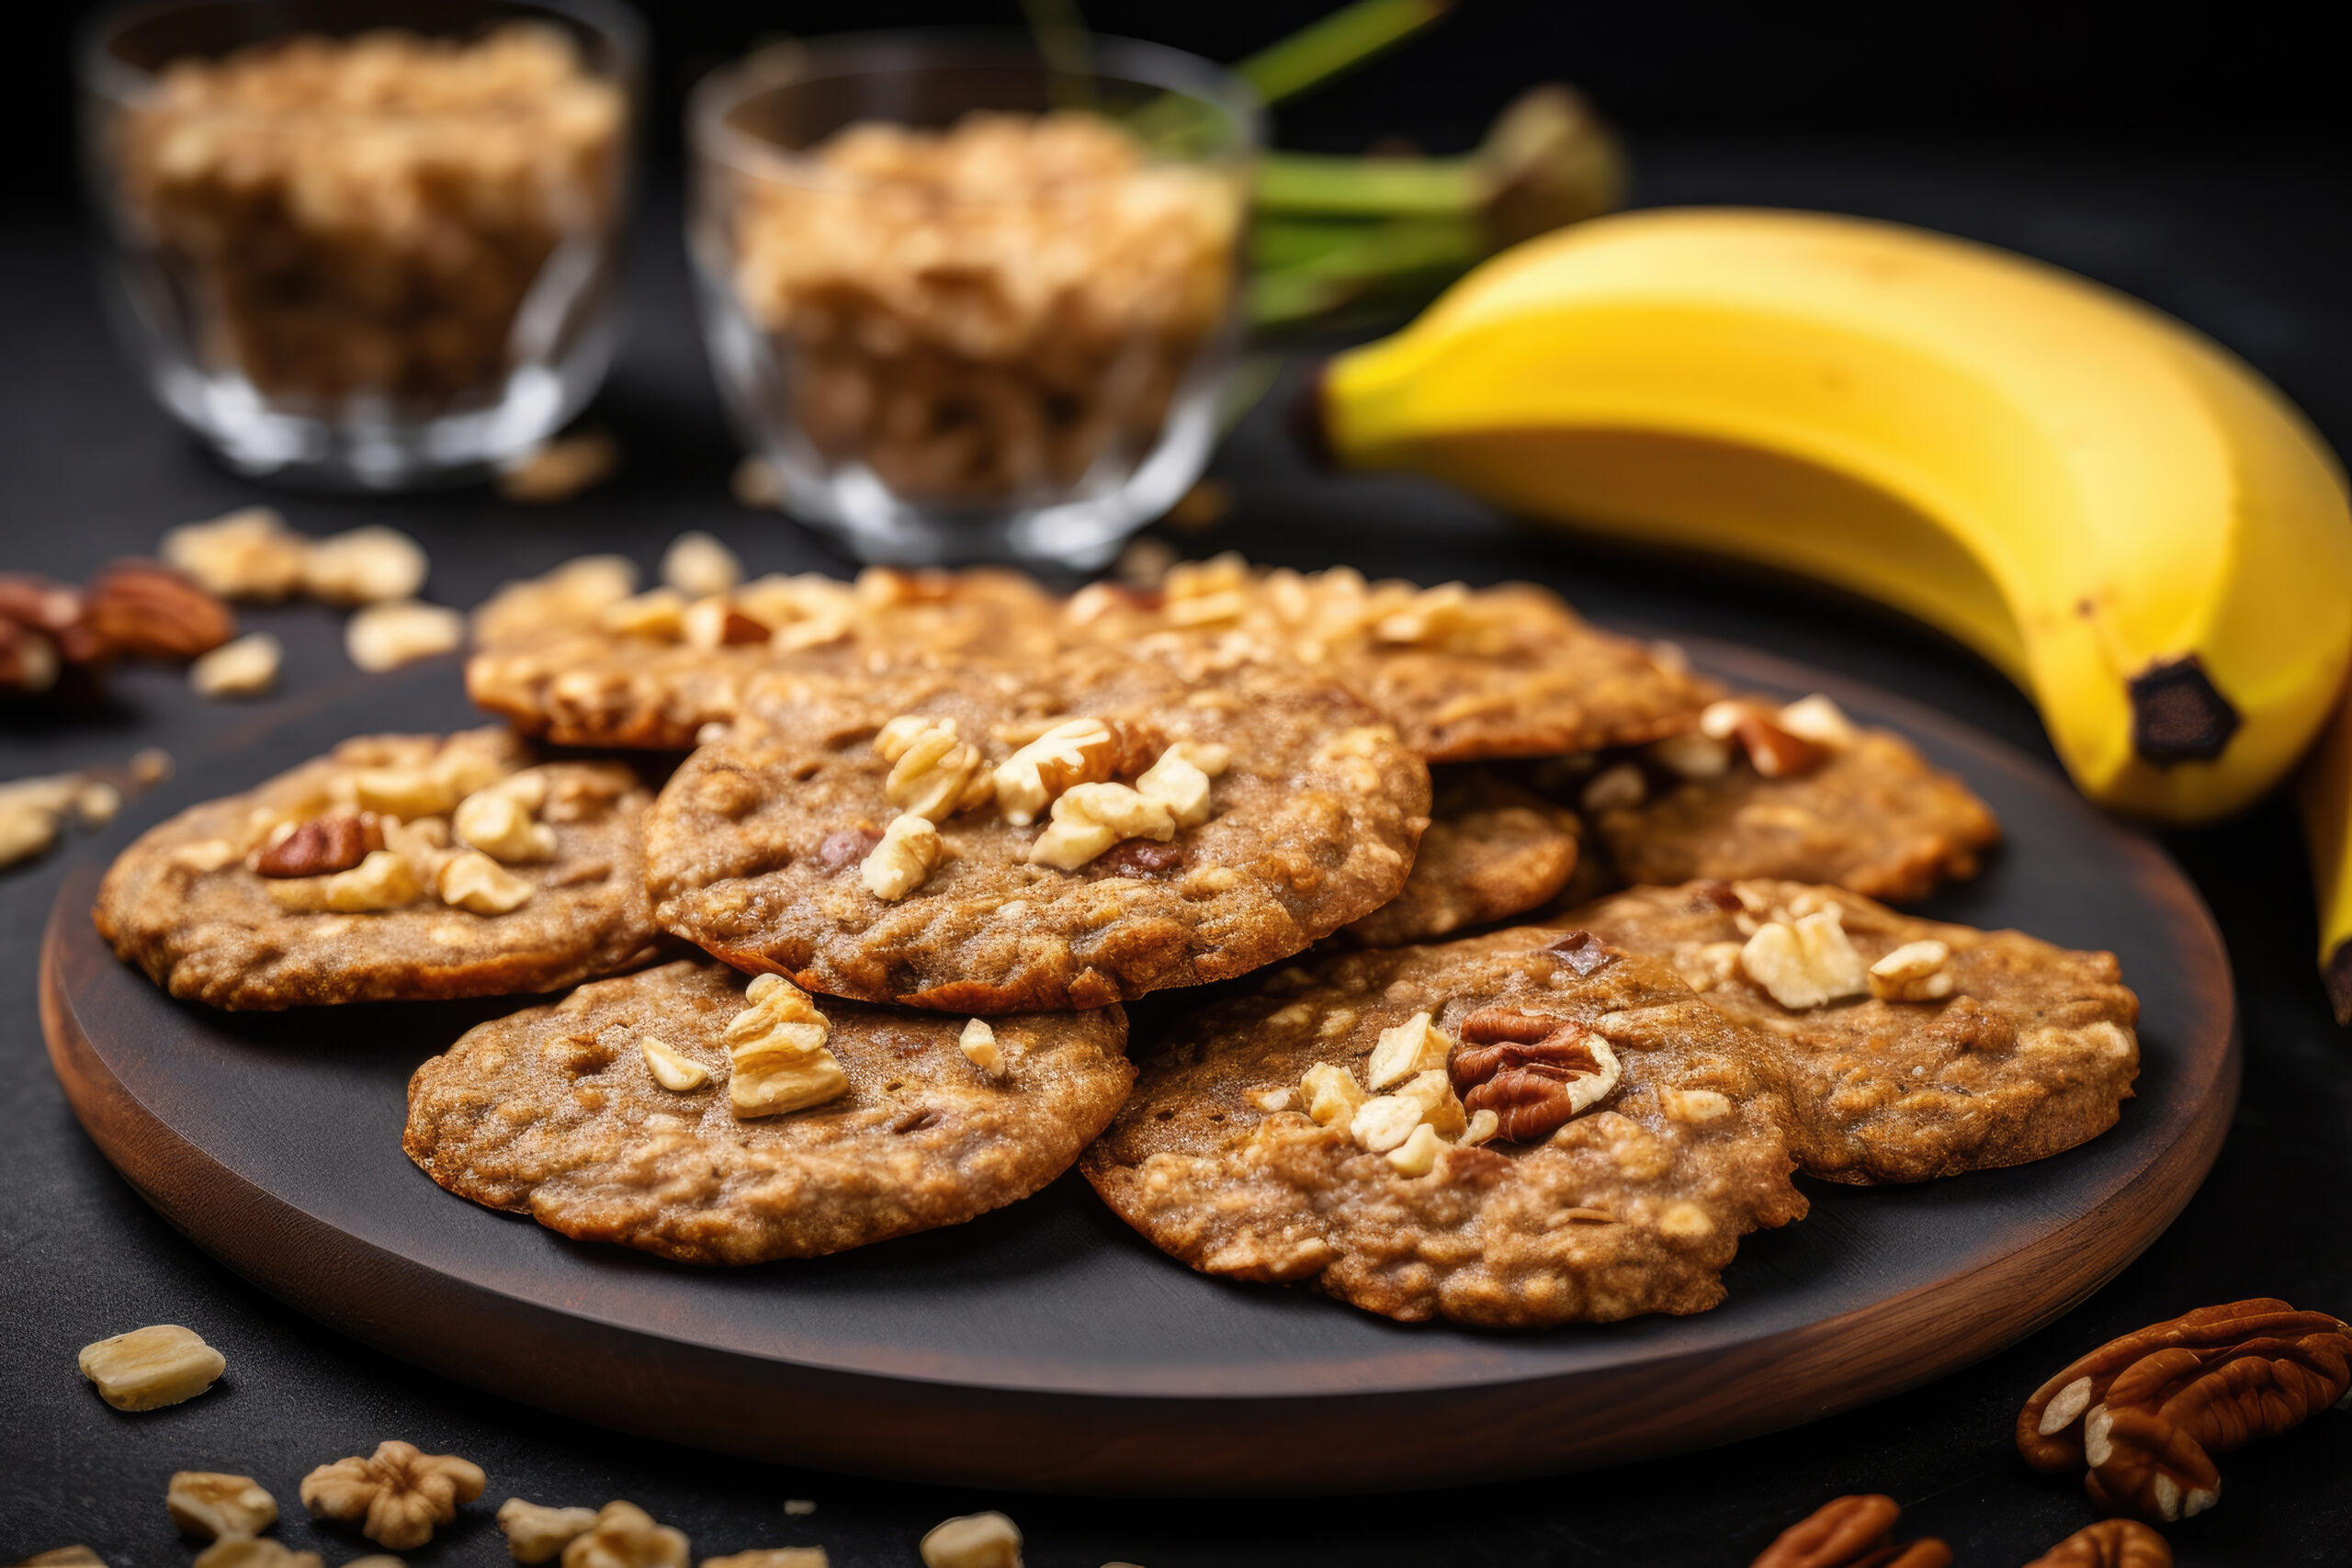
column 1045, row 1346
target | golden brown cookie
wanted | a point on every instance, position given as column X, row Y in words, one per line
column 1492, row 850
column 1468, row 674
column 576, row 658
column 397, row 867
column 1857, row 807
column 1964, row 1050
column 1103, row 827
column 562, row 1112
column 1634, row 1141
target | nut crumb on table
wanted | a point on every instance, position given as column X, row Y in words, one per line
column 148, row 1369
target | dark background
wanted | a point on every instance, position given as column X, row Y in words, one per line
column 2191, row 157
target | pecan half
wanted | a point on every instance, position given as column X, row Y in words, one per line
column 144, row 607
column 2144, row 1414
column 1851, row 1533
column 2110, row 1544
column 322, row 846
column 1533, row 1070
column 1771, row 748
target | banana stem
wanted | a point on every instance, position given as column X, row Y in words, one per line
column 1377, row 187
column 1386, row 260
column 1338, row 42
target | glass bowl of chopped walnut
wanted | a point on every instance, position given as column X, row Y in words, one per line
column 971, row 304
column 364, row 243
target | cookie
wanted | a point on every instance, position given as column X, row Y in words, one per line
column 1015, row 839
column 1493, row 850
column 1972, row 1050
column 573, row 657
column 1466, row 674
column 1632, row 1140
column 612, row 1116
column 1857, row 807
column 397, row 867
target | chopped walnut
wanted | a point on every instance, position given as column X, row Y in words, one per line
column 973, row 1540
column 497, row 821
column 1413, row 1046
column 382, row 881
column 1805, row 964
column 1820, row 720
column 248, row 554
column 1693, row 756
column 148, row 1369
column 1329, row 1094
column 778, row 1048
column 933, row 773
column 625, row 1536
column 398, row 1493
column 1076, row 752
column 1615, row 787
column 1090, row 817
column 673, row 1069
column 219, row 1508
column 475, row 883
column 560, row 468
column 1694, row 1106
column 1916, row 972
column 255, row 1551
column 535, row 1533
column 716, row 621
column 1386, row 1121
column 1180, row 780
column 401, row 631
column 244, row 668
column 896, row 866
column 657, row 613
column 364, row 566
column 698, row 565
column 979, row 1043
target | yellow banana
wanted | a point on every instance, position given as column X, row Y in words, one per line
column 2126, row 520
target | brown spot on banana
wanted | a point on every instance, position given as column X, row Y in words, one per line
column 2179, row 714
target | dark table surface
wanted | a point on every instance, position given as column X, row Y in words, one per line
column 2251, row 246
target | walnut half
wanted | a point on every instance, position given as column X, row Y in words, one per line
column 625, row 1536
column 777, row 1047
column 398, row 1493
column 219, row 1508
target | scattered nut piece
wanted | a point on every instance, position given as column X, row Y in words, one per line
column 1614, row 787
column 398, row 1493
column 2110, row 1544
column 497, row 822
column 244, row 668
column 1916, row 972
column 1484, row 1127
column 475, row 883
column 1772, row 749
column 364, row 566
column 535, row 1533
column 980, row 1048
column 674, row 1071
column 320, row 847
column 798, row 1508
column 1076, row 752
column 1692, row 755
column 933, row 773
column 716, row 621
column 1417, row 1155
column 1820, row 720
column 145, row 608
column 777, row 1047
column 1330, row 1095
column 376, row 1560
column 1693, row 1106
column 1851, row 1533
column 1807, row 964
column 32, row 814
column 656, row 613
column 567, row 597
column 757, row 483
column 246, row 554
column 75, row 1556
column 771, row 1557
column 699, row 566
column 1413, row 1046
column 625, row 1536
column 219, row 1508
column 560, row 468
column 1534, row 1071
column 895, row 867
column 382, row 881
column 148, row 1369
column 401, row 631
column 1180, row 780
column 254, row 1551
column 1090, row 817
column 973, row 1540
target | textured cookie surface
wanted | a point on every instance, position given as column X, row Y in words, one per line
column 1635, row 1206
column 1875, row 816
column 565, row 658
column 756, row 846
column 1492, row 850
column 555, row 1111
column 2034, row 1049
column 1465, row 674
column 186, row 904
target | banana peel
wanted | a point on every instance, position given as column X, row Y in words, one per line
column 2122, row 517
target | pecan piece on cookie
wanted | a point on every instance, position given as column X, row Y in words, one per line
column 1532, row 1069
column 2146, row 1412
column 336, row 841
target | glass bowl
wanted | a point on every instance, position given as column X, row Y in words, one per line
column 364, row 243
column 970, row 305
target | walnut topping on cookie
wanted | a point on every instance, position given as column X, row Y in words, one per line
column 397, row 866
column 1413, row 1202
column 1907, row 1049
column 620, row 1113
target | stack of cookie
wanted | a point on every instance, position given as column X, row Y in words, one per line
column 938, row 831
